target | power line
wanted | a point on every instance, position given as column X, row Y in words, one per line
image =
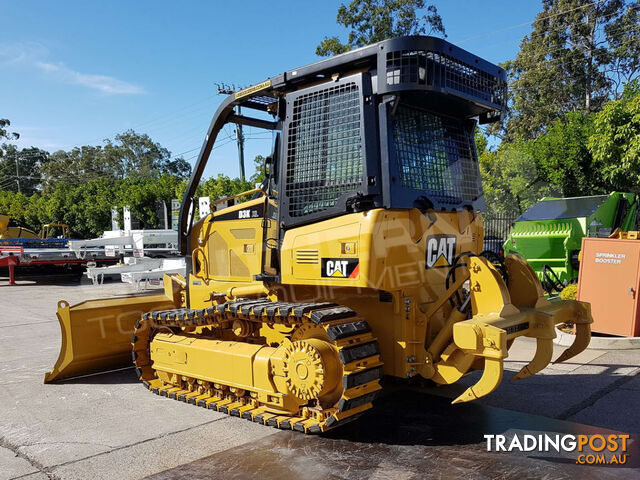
column 6, row 183
column 575, row 24
column 168, row 116
column 613, row 30
column 525, row 23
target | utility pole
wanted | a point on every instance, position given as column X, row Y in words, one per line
column 17, row 172
column 224, row 89
column 240, row 138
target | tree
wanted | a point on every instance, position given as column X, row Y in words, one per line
column 615, row 143
column 570, row 61
column 260, row 165
column 558, row 162
column 510, row 180
column 129, row 155
column 20, row 169
column 563, row 159
column 77, row 167
column 141, row 195
column 222, row 186
column 371, row 21
column 624, row 44
column 136, row 155
column 4, row 123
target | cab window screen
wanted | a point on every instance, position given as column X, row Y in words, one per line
column 324, row 153
column 435, row 155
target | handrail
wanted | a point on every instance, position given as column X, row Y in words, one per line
column 248, row 192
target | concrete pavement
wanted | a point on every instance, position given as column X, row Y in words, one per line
column 100, row 427
column 109, row 427
column 597, row 387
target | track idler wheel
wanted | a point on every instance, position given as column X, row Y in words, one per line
column 311, row 368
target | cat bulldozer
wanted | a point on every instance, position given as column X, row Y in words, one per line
column 358, row 257
column 9, row 230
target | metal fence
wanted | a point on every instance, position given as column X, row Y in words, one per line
column 496, row 231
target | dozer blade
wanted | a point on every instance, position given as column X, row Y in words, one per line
column 501, row 314
column 96, row 334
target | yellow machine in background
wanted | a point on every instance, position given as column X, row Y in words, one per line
column 14, row 232
column 360, row 255
column 49, row 230
column 55, row 230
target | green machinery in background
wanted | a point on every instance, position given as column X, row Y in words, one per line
column 549, row 234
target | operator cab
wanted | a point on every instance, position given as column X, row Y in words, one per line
column 389, row 125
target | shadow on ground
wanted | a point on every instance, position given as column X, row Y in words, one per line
column 408, row 435
column 44, row 275
column 114, row 377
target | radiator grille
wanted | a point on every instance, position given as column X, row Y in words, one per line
column 422, row 67
column 324, row 153
column 435, row 155
column 307, row 256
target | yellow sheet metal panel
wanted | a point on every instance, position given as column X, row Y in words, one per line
column 227, row 245
column 218, row 259
column 239, row 263
column 316, row 254
column 230, row 363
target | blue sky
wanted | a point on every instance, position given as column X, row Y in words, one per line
column 75, row 72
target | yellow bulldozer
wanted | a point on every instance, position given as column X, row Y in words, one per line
column 7, row 230
column 49, row 230
column 360, row 255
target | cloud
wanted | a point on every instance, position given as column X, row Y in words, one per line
column 102, row 83
column 33, row 54
column 28, row 52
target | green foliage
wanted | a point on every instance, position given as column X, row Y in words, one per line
column 86, row 208
column 480, row 141
column 222, row 186
column 129, row 155
column 4, row 134
column 570, row 292
column 576, row 58
column 259, row 164
column 510, row 179
column 81, row 186
column 615, row 143
column 563, row 159
column 558, row 162
column 371, row 21
column 20, row 169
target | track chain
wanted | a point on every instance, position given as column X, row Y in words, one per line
column 358, row 352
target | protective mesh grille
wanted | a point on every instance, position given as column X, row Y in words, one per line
column 435, row 155
column 429, row 68
column 264, row 99
column 324, row 154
